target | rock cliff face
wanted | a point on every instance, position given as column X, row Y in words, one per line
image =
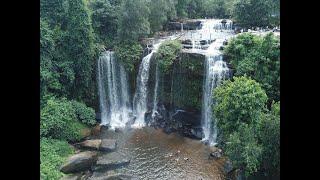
column 179, row 96
column 190, row 24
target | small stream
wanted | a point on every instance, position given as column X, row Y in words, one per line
column 157, row 155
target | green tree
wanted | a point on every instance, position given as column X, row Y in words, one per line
column 181, row 8
column 269, row 136
column 239, row 101
column 105, row 20
column 275, row 12
column 215, row 9
column 53, row 11
column 250, row 132
column 250, row 13
column 243, row 149
column 195, row 9
column 160, row 12
column 133, row 21
column 259, row 58
column 49, row 78
column 79, row 46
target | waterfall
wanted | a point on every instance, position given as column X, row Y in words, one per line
column 155, row 94
column 216, row 71
column 140, row 97
column 115, row 102
column 101, row 88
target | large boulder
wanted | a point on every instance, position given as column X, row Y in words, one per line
column 236, row 174
column 96, row 130
column 197, row 132
column 111, row 160
column 187, row 117
column 85, row 132
column 174, row 26
column 79, row 162
column 187, row 41
column 108, row 145
column 191, row 24
column 216, row 154
column 91, row 144
column 228, row 167
column 77, row 176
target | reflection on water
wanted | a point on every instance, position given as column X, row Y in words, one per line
column 156, row 155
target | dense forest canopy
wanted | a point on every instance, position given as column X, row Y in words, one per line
column 74, row 32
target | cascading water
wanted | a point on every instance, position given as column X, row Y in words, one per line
column 115, row 102
column 155, row 94
column 140, row 97
column 216, row 70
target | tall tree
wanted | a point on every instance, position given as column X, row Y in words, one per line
column 53, row 11
column 105, row 20
column 259, row 58
column 250, row 13
column 238, row 109
column 48, row 75
column 160, row 12
column 133, row 22
column 182, row 8
column 215, row 8
column 79, row 39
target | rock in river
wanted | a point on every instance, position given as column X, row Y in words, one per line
column 111, row 160
column 216, row 154
column 79, row 162
column 91, row 144
column 108, row 145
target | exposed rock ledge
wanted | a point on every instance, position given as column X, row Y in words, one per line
column 111, row 160
column 79, row 162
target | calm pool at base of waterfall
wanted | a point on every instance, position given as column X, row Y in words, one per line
column 157, row 155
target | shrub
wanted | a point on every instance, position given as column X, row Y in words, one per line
column 52, row 155
column 129, row 53
column 58, row 119
column 167, row 54
column 84, row 114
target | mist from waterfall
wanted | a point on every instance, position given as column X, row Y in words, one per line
column 113, row 89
